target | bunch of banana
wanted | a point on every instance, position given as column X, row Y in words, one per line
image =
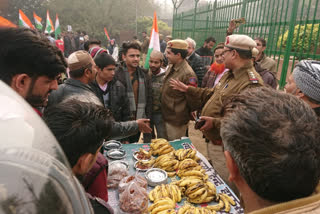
column 165, row 190
column 182, row 154
column 146, row 164
column 224, row 202
column 161, row 205
column 187, row 209
column 160, row 146
column 167, row 162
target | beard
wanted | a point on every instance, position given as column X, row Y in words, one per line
column 36, row 100
column 217, row 68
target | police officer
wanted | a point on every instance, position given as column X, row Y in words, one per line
column 238, row 53
column 174, row 106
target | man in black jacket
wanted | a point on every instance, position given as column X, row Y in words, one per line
column 205, row 51
column 195, row 61
column 82, row 72
column 137, row 84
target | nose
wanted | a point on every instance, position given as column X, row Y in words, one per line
column 54, row 85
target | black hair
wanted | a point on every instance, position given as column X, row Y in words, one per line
column 273, row 137
column 210, row 39
column 75, row 74
column 103, row 60
column 80, row 127
column 26, row 51
column 53, row 35
column 262, row 40
column 86, row 45
column 183, row 53
column 94, row 42
column 130, row 45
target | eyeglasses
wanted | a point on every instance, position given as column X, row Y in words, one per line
column 223, row 53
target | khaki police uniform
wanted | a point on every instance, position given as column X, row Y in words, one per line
column 211, row 100
column 232, row 82
column 174, row 107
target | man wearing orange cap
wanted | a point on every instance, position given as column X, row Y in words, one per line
column 175, row 110
column 238, row 53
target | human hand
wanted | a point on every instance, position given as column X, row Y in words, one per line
column 232, row 26
column 208, row 123
column 178, row 85
column 144, row 125
column 125, row 142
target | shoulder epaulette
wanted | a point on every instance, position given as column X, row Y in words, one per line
column 252, row 77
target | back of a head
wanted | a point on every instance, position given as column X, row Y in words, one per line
column 27, row 51
column 77, row 62
column 80, row 127
column 274, row 139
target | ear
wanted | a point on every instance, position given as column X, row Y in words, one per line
column 299, row 94
column 87, row 73
column 263, row 48
column 232, row 166
column 21, row 83
column 84, row 163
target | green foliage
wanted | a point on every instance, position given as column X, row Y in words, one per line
column 145, row 24
column 300, row 42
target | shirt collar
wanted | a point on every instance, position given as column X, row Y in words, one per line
column 237, row 73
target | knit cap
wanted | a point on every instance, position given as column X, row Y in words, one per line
column 306, row 75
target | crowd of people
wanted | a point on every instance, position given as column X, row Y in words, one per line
column 263, row 142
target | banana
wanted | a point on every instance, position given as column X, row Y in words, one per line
column 231, row 201
column 171, row 211
column 186, row 181
column 212, row 188
column 194, row 188
column 151, row 197
column 183, row 209
column 193, row 173
column 161, row 208
column 162, row 202
column 178, row 192
column 216, row 207
column 226, row 203
column 199, row 192
column 198, row 197
column 171, row 174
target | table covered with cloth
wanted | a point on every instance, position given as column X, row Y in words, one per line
column 221, row 186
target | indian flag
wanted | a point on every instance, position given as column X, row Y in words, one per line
column 154, row 40
column 57, row 27
column 106, row 33
column 49, row 25
column 24, row 21
column 37, row 21
column 6, row 23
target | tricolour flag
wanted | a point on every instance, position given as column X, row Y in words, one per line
column 106, row 33
column 6, row 23
column 154, row 40
column 57, row 32
column 37, row 21
column 49, row 26
column 24, row 21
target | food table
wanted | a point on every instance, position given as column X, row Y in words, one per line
column 177, row 144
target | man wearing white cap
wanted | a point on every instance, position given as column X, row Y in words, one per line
column 238, row 53
column 305, row 83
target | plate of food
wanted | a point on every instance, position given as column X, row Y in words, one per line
column 144, row 165
column 142, row 155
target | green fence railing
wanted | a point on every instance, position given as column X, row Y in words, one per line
column 291, row 27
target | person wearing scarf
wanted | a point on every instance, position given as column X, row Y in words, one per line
column 217, row 69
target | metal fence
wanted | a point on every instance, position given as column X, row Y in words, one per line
column 291, row 27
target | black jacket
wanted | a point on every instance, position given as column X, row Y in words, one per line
column 118, row 99
column 120, row 130
column 197, row 66
column 120, row 76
